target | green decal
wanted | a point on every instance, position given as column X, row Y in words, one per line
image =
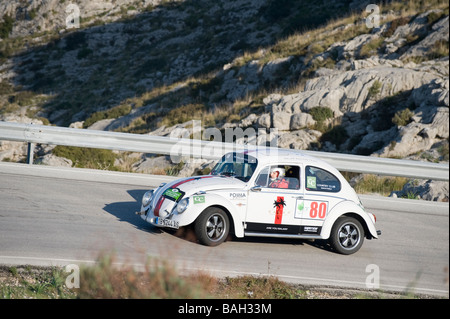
column 174, row 194
column 301, row 206
column 311, row 182
column 199, row 199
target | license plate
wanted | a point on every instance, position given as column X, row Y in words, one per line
column 167, row 223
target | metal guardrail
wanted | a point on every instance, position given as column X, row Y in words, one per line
column 41, row 134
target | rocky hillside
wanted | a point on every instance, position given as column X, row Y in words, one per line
column 317, row 72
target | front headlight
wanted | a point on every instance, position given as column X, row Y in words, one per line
column 147, row 198
column 182, row 205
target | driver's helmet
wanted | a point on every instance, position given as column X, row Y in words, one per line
column 281, row 171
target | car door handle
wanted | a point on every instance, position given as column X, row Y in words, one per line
column 256, row 189
column 299, row 197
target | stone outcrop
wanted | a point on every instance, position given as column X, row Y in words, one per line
column 424, row 189
column 387, row 89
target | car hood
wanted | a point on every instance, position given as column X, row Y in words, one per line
column 180, row 188
column 191, row 185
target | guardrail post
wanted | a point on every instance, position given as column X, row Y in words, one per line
column 30, row 153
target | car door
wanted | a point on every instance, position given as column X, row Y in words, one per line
column 272, row 210
column 321, row 194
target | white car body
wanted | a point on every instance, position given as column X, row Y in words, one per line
column 244, row 203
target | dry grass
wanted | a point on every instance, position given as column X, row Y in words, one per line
column 160, row 280
column 253, row 287
column 383, row 185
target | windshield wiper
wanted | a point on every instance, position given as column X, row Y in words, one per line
column 228, row 174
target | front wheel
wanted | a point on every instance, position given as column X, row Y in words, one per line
column 212, row 227
column 347, row 235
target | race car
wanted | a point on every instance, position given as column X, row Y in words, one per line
column 258, row 193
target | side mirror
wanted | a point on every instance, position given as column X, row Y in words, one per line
column 256, row 188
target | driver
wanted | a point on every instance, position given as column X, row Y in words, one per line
column 277, row 178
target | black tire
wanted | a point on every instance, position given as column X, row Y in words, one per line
column 347, row 235
column 212, row 226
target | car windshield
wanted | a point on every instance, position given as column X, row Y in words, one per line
column 241, row 166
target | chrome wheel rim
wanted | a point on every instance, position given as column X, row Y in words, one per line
column 349, row 236
column 215, row 227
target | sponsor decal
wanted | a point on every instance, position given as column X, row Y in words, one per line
column 174, row 194
column 311, row 182
column 279, row 205
column 310, row 229
column 238, row 196
column 277, row 228
column 273, row 229
column 161, row 199
column 199, row 199
column 283, row 229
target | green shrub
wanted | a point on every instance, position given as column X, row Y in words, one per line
column 6, row 26
column 394, row 25
column 337, row 135
column 375, row 89
column 83, row 52
column 112, row 113
column 6, row 88
column 75, row 40
column 22, row 98
column 444, row 151
column 402, row 118
column 438, row 50
column 433, row 16
column 321, row 113
column 183, row 114
column 87, row 157
column 371, row 47
column 379, row 184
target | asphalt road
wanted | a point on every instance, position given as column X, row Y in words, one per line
column 59, row 221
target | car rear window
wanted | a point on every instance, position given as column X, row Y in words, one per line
column 320, row 180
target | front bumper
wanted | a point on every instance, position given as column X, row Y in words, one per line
column 147, row 214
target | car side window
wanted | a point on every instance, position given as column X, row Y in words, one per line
column 318, row 179
column 279, row 176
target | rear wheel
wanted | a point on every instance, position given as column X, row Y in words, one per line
column 347, row 235
column 212, row 227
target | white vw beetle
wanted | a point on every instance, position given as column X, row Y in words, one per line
column 256, row 193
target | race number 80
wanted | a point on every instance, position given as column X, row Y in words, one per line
column 311, row 209
column 318, row 210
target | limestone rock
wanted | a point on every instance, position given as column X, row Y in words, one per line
column 439, row 32
column 53, row 160
column 300, row 140
column 301, row 120
column 418, row 137
column 272, row 68
column 281, row 120
column 426, row 190
column 153, row 165
column 264, row 121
